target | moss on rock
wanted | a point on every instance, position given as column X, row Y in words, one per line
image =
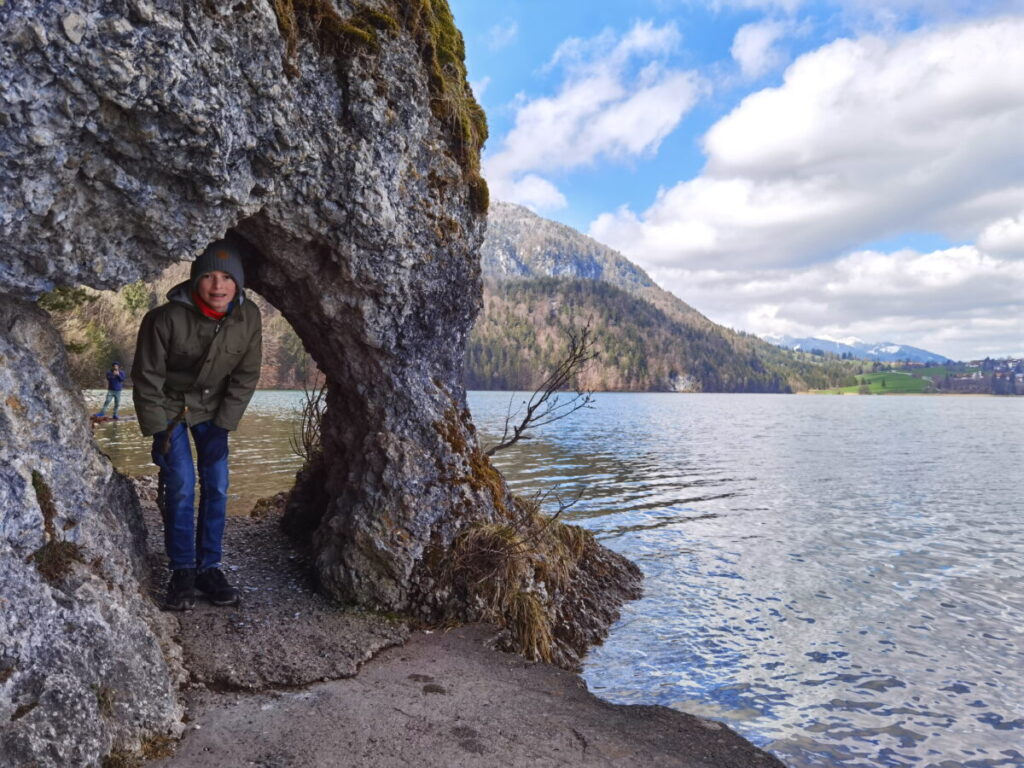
column 54, row 559
column 441, row 47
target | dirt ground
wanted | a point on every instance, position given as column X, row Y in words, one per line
column 288, row 679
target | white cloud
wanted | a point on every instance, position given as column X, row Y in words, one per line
column 1005, row 236
column 618, row 101
column 878, row 12
column 533, row 192
column 960, row 302
column 787, row 6
column 754, row 50
column 502, row 35
column 865, row 139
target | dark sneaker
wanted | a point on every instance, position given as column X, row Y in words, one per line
column 181, row 592
column 215, row 586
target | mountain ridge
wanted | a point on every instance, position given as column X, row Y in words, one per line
column 881, row 351
column 543, row 278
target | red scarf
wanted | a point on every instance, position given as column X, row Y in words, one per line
column 206, row 309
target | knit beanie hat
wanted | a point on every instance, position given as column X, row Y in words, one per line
column 220, row 256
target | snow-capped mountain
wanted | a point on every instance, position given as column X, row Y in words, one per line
column 885, row 351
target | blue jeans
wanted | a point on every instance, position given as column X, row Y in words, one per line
column 115, row 395
column 193, row 544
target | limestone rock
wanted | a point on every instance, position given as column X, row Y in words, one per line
column 83, row 666
column 134, row 133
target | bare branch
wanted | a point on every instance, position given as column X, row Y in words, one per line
column 306, row 441
column 545, row 404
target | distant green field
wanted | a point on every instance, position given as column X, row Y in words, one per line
column 887, row 383
column 942, row 370
column 934, row 370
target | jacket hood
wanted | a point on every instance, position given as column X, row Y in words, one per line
column 182, row 293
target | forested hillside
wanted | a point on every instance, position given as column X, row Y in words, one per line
column 543, row 278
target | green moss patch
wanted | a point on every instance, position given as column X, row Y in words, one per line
column 482, row 475
column 451, row 99
column 335, row 35
column 54, row 559
column 44, row 497
column 442, row 49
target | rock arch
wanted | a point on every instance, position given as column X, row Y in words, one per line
column 344, row 149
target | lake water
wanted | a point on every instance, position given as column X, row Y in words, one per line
column 838, row 578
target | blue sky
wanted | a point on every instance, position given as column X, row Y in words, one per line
column 845, row 169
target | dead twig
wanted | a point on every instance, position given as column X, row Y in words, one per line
column 306, row 441
column 545, row 404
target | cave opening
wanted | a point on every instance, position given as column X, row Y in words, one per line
column 100, row 327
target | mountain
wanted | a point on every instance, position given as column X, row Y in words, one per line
column 885, row 351
column 542, row 278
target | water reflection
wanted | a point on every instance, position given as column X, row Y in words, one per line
column 261, row 461
column 836, row 577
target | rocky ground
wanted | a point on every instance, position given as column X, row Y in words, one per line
column 288, row 679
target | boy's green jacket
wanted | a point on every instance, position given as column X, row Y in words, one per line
column 183, row 357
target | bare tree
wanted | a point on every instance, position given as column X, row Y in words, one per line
column 546, row 404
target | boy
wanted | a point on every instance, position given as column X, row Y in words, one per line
column 197, row 363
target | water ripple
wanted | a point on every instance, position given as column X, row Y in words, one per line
column 836, row 599
column 836, row 578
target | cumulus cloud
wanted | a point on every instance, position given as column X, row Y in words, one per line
column 534, row 192
column 618, row 100
column 754, row 49
column 787, row 6
column 1005, row 236
column 878, row 11
column 866, row 138
column 961, row 302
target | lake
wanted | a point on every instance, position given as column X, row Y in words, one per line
column 838, row 578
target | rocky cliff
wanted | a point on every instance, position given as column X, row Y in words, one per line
column 338, row 143
column 87, row 663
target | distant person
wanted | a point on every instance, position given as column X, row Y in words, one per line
column 115, row 383
column 197, row 363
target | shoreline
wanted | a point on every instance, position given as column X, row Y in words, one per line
column 290, row 679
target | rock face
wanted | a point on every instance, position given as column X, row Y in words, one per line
column 340, row 143
column 86, row 660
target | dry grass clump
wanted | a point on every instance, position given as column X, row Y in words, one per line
column 120, row 758
column 156, row 746
column 515, row 569
column 334, row 34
